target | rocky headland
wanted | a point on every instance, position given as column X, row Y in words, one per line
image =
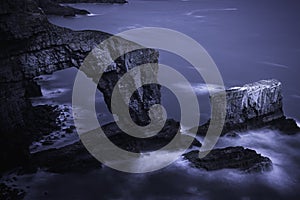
column 31, row 46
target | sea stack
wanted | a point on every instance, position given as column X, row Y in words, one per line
column 252, row 106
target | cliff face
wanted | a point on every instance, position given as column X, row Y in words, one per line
column 251, row 106
column 261, row 99
column 31, row 46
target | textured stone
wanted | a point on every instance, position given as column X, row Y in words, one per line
column 31, row 46
column 259, row 99
column 52, row 8
column 253, row 106
column 246, row 160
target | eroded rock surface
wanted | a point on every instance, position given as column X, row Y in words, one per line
column 31, row 46
column 240, row 158
column 252, row 106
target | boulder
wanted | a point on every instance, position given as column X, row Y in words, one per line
column 240, row 158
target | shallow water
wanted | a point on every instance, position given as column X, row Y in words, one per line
column 249, row 41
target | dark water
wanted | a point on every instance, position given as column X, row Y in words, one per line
column 249, row 41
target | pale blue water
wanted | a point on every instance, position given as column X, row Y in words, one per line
column 249, row 41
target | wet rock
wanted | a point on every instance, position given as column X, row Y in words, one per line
column 68, row 159
column 285, row 125
column 240, row 158
column 161, row 139
column 232, row 135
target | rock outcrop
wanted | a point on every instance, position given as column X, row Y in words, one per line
column 31, row 46
column 252, row 106
column 262, row 99
column 246, row 160
column 76, row 158
column 161, row 139
column 90, row 1
column 52, row 8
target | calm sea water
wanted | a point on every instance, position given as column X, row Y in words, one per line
column 249, row 41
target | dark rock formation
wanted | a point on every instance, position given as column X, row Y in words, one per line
column 40, row 120
column 52, row 8
column 76, row 158
column 246, row 160
column 253, row 106
column 90, row 1
column 129, row 143
column 9, row 193
column 68, row 159
column 31, row 46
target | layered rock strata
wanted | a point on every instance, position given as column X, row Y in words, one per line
column 252, row 106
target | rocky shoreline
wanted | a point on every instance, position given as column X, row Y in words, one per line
column 54, row 7
column 32, row 46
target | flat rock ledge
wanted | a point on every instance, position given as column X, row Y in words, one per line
column 240, row 158
column 75, row 158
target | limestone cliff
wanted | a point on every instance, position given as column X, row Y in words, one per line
column 254, row 105
column 261, row 99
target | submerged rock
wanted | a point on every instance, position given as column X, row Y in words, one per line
column 246, row 160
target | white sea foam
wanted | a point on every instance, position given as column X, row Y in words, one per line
column 200, row 88
column 92, row 15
